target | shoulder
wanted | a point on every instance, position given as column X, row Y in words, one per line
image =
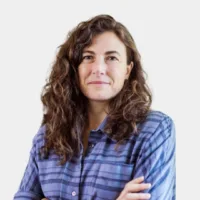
column 157, row 126
column 155, row 120
column 38, row 139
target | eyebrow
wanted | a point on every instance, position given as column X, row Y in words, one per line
column 106, row 53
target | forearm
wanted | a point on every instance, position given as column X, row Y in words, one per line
column 27, row 195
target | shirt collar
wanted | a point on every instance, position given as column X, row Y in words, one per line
column 101, row 127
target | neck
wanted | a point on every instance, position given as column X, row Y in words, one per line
column 97, row 111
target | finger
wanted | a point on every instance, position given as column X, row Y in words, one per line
column 138, row 180
column 134, row 187
column 45, row 199
column 134, row 181
column 137, row 196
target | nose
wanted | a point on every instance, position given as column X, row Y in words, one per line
column 99, row 66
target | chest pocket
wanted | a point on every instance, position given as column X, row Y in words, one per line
column 111, row 179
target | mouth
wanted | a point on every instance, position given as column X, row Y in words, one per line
column 98, row 82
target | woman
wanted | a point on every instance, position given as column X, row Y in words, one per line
column 99, row 139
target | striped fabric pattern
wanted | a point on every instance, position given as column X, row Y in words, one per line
column 103, row 172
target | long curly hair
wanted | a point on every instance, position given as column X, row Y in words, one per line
column 65, row 106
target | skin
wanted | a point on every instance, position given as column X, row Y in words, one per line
column 104, row 62
column 132, row 189
column 102, row 73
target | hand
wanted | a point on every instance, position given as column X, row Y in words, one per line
column 131, row 189
column 45, row 199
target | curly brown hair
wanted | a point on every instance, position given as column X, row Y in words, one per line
column 65, row 106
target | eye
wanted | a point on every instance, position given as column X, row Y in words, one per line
column 111, row 58
column 87, row 57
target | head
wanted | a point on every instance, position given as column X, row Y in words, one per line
column 104, row 67
column 98, row 61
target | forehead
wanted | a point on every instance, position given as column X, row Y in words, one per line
column 107, row 41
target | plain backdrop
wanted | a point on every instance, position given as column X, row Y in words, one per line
column 167, row 36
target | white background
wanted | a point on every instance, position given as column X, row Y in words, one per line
column 167, row 35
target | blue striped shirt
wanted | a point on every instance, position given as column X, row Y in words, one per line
column 103, row 172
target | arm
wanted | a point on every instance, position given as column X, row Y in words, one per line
column 30, row 188
column 157, row 162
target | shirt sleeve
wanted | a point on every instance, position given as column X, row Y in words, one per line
column 30, row 188
column 157, row 162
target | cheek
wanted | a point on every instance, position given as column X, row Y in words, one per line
column 117, row 70
column 118, row 81
column 118, row 76
column 81, row 74
column 84, row 71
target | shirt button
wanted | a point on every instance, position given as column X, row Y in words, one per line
column 92, row 145
column 73, row 193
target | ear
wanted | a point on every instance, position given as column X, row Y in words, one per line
column 129, row 69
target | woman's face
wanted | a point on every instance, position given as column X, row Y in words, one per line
column 103, row 68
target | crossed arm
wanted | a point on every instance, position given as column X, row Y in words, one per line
column 156, row 164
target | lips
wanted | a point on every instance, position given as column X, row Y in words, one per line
column 98, row 82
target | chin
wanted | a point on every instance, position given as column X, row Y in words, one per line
column 98, row 99
column 99, row 96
